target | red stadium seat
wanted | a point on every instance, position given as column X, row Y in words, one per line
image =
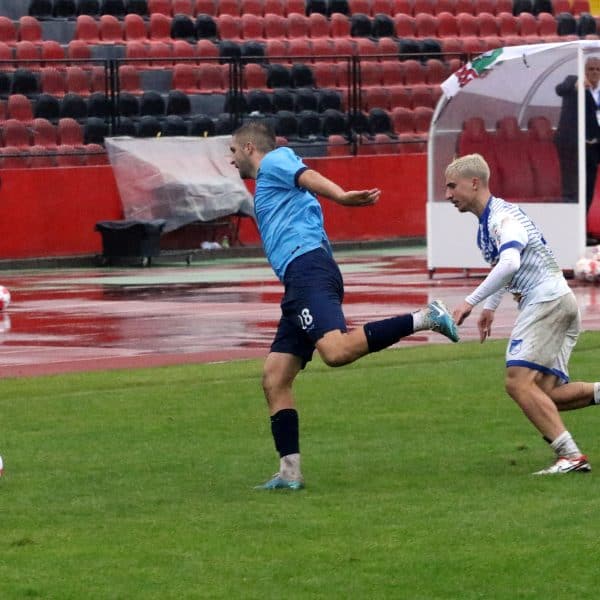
column 87, row 29
column 275, row 27
column 339, row 26
column 375, row 97
column 185, row 78
column 413, row 72
column 447, row 25
column 404, row 25
column 325, row 74
column 402, row 7
column 111, row 31
column 392, row 72
column 8, row 31
column 205, row 7
column 465, row 6
column 228, row 7
column 69, row 132
column 251, row 27
column 134, row 28
column 52, row 81
column 528, row 28
column 30, row 29
column 435, row 71
column 162, row 7
column 423, row 7
column 182, row 7
column 383, row 7
column 370, row 73
column 44, row 133
column 426, row 25
column 206, row 49
column 15, row 133
column 580, row 6
column 51, row 52
column 338, row 145
column 229, row 27
column 322, row 47
column 421, row 95
column 78, row 50
column 182, row 49
column 129, row 79
column 274, row 7
column 294, row 6
column 78, row 81
column 210, row 79
column 318, row 25
column 515, row 173
column 359, row 7
column 19, row 107
column 159, row 29
column 254, row 77
column 543, row 158
column 448, row 6
column 298, row 26
column 26, row 52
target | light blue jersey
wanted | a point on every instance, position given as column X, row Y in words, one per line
column 290, row 219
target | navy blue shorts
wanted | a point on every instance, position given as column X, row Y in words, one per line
column 311, row 305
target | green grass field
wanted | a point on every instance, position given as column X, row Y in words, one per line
column 139, row 485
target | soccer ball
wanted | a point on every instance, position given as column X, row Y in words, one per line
column 4, row 298
column 587, row 269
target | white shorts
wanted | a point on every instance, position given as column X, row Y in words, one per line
column 544, row 336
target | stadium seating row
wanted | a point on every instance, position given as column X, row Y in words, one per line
column 248, row 27
column 519, row 160
column 70, row 9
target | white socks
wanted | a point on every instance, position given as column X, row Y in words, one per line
column 597, row 392
column 289, row 467
column 564, row 445
column 420, row 320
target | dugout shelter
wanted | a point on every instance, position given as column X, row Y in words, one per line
column 504, row 105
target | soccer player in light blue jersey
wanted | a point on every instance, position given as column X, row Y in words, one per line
column 548, row 324
column 290, row 222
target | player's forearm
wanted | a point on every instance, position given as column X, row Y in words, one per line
column 318, row 184
column 497, row 278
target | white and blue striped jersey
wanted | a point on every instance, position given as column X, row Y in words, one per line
column 539, row 278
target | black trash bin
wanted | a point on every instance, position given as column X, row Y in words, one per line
column 130, row 238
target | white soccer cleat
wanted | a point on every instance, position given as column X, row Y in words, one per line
column 567, row 465
column 1, row 467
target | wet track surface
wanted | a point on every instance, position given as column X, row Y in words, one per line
column 218, row 309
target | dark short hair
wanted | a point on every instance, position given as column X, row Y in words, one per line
column 259, row 133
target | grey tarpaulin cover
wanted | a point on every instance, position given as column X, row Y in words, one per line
column 179, row 179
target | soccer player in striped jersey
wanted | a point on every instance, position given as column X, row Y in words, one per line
column 548, row 324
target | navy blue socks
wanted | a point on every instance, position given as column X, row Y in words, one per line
column 284, row 427
column 381, row 334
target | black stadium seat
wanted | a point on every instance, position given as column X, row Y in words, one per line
column 149, row 126
column 278, row 76
column 182, row 28
column 379, row 121
column 202, row 126
column 301, row 76
column 73, row 106
column 306, row 99
column 65, row 9
column 138, row 7
column 334, row 122
column 128, row 105
column 316, row 6
column 309, row 124
column 98, row 105
column 24, row 82
column 259, row 101
column 116, row 8
column 152, row 103
column 174, row 125
column 206, row 27
column 125, row 126
column 40, row 9
column 286, row 124
column 85, row 7
column 47, row 107
column 283, row 100
column 178, row 103
column 360, row 25
column 94, row 130
column 383, row 26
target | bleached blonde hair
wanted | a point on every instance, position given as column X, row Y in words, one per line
column 470, row 165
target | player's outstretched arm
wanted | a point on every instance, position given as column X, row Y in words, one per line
column 318, row 184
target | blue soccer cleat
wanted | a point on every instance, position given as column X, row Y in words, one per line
column 279, row 483
column 441, row 320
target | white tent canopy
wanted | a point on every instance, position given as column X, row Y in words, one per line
column 518, row 82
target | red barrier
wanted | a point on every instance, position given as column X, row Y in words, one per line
column 399, row 213
column 52, row 212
